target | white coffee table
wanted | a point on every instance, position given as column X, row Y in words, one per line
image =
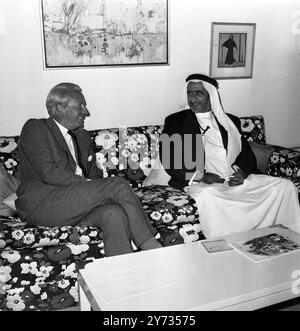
column 187, row 277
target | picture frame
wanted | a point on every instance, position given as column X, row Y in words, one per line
column 232, row 50
column 99, row 33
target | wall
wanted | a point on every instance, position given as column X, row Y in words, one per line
column 146, row 94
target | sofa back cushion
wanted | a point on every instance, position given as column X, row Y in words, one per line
column 8, row 186
column 253, row 128
column 9, row 154
column 126, row 152
column 131, row 152
column 284, row 162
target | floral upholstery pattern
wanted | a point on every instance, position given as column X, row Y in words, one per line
column 19, row 235
column 172, row 213
column 127, row 152
column 253, row 128
column 167, row 205
column 43, row 278
column 38, row 265
column 285, row 163
column 9, row 154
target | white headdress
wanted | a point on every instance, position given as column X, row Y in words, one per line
column 234, row 137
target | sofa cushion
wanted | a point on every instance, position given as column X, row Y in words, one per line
column 180, row 233
column 9, row 155
column 10, row 201
column 127, row 152
column 253, row 128
column 15, row 234
column 43, row 278
column 172, row 213
column 158, row 175
column 262, row 153
column 166, row 205
column 284, row 162
column 8, row 186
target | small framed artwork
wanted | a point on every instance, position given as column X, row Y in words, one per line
column 232, row 50
column 91, row 33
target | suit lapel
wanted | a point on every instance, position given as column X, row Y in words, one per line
column 224, row 134
column 60, row 139
column 57, row 134
column 190, row 124
column 82, row 146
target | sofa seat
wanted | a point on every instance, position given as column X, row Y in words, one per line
column 172, row 213
column 15, row 234
column 38, row 265
column 43, row 278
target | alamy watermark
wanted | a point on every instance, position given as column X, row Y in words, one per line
column 124, row 150
column 296, row 22
column 296, row 283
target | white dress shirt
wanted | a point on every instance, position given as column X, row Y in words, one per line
column 215, row 153
column 70, row 144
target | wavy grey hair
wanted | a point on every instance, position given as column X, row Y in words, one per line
column 61, row 94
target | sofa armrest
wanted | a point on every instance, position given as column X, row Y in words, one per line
column 284, row 162
column 262, row 152
column 15, row 234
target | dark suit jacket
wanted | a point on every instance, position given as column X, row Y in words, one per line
column 185, row 122
column 46, row 162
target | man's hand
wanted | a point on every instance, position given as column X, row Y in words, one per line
column 210, row 178
column 237, row 178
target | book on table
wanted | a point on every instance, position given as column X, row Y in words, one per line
column 268, row 243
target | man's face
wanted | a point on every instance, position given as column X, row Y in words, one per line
column 75, row 113
column 198, row 98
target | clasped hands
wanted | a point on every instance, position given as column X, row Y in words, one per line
column 237, row 178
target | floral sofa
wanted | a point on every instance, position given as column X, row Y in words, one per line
column 38, row 265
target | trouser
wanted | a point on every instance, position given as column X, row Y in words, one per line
column 109, row 204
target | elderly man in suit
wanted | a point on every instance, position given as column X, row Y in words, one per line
column 230, row 193
column 62, row 185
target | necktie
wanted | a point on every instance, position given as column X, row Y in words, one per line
column 78, row 153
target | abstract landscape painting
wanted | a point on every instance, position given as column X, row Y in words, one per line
column 83, row 33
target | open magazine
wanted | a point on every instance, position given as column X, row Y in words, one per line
column 271, row 242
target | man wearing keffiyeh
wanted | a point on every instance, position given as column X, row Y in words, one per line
column 230, row 193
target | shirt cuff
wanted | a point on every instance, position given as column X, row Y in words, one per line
column 236, row 168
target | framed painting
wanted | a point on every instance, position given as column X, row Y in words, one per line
column 232, row 50
column 89, row 33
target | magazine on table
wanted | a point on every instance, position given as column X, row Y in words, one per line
column 268, row 243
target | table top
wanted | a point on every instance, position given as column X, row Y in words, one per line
column 187, row 277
